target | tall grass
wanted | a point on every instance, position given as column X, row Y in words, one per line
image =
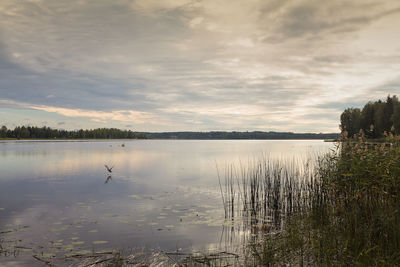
column 342, row 211
column 267, row 191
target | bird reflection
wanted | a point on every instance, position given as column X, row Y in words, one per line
column 109, row 178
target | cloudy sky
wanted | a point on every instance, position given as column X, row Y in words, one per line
column 172, row 65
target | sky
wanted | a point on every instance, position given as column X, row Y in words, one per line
column 195, row 65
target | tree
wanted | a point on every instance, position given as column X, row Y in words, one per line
column 396, row 118
column 24, row 133
column 367, row 116
column 3, row 132
column 379, row 118
column 350, row 120
column 388, row 110
column 381, row 114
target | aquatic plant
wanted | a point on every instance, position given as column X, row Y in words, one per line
column 268, row 190
column 348, row 215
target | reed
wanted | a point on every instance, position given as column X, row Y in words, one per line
column 342, row 211
column 268, row 190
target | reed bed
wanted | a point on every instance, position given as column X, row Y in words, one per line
column 343, row 209
column 268, row 190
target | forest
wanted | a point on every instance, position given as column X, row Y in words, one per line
column 225, row 135
column 374, row 119
column 28, row 132
column 49, row 133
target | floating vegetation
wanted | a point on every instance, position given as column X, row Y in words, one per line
column 69, row 240
column 14, row 230
column 222, row 258
column 99, row 242
column 59, row 229
column 47, row 255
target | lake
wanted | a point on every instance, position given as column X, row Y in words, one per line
column 58, row 200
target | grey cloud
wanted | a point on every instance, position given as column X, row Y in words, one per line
column 322, row 116
column 310, row 19
column 339, row 106
column 382, row 91
column 301, row 20
column 68, row 89
column 333, row 59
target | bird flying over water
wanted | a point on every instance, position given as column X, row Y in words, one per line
column 108, row 168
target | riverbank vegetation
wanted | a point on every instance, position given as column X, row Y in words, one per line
column 344, row 211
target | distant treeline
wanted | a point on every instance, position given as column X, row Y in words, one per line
column 218, row 135
column 374, row 119
column 49, row 133
column 112, row 133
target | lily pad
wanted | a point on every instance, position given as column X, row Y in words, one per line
column 99, row 242
column 47, row 255
column 83, row 252
column 59, row 229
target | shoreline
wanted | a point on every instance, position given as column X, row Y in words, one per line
column 159, row 139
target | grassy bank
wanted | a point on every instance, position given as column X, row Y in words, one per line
column 343, row 212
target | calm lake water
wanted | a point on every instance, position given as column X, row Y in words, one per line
column 57, row 198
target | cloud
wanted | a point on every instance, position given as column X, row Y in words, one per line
column 182, row 65
column 131, row 116
column 152, row 5
column 118, row 115
column 311, row 19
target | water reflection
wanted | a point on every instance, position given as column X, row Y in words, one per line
column 58, row 198
column 109, row 178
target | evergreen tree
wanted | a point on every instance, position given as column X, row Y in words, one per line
column 350, row 121
column 3, row 131
column 374, row 119
column 396, row 118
